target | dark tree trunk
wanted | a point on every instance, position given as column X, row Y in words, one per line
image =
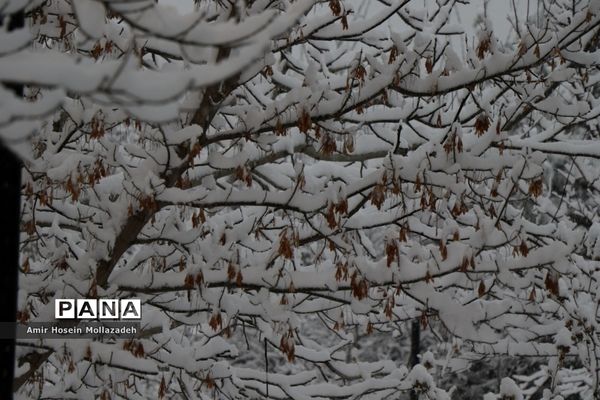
column 10, row 196
column 415, row 348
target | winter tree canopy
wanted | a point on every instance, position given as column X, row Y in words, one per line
column 281, row 180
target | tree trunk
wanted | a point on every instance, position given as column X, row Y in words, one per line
column 415, row 339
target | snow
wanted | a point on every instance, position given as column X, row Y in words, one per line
column 509, row 388
column 90, row 15
column 289, row 196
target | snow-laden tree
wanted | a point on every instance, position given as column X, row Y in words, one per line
column 278, row 179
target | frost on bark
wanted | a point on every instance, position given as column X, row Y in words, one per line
column 300, row 178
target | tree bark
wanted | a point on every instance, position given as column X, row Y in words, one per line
column 415, row 347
